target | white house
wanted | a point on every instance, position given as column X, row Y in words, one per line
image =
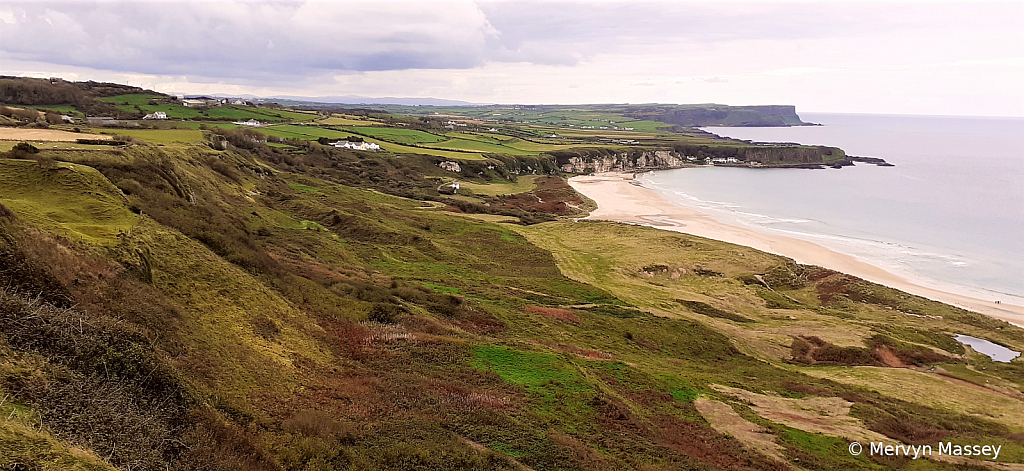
column 188, row 103
column 357, row 145
column 238, row 101
column 251, row 122
column 156, row 115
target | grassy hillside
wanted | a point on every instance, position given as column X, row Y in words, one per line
column 462, row 133
column 215, row 302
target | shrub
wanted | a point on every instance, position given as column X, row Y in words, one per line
column 385, row 313
column 25, row 148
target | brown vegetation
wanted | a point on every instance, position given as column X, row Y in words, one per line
column 881, row 351
column 555, row 313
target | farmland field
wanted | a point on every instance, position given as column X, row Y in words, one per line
column 397, row 135
column 62, row 109
column 473, row 145
column 131, row 99
column 400, row 149
column 21, row 134
column 195, row 124
column 159, row 136
column 172, row 110
column 260, row 114
column 348, row 120
column 302, row 132
column 53, row 145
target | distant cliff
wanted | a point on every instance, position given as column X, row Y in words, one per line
column 604, row 160
column 720, row 115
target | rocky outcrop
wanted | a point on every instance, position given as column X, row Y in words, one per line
column 634, row 160
column 605, row 160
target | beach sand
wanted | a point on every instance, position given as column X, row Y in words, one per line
column 621, row 199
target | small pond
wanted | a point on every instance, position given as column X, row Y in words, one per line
column 995, row 351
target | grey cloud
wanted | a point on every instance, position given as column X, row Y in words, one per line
column 239, row 40
column 277, row 42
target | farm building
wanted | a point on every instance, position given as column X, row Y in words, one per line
column 356, row 145
column 156, row 115
column 251, row 122
column 449, row 188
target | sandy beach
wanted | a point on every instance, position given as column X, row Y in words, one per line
column 621, row 199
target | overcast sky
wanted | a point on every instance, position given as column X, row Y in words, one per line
column 873, row 57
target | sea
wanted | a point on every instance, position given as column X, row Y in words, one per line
column 949, row 213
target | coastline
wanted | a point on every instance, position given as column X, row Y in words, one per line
column 621, row 199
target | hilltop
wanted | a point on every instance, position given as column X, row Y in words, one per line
column 192, row 294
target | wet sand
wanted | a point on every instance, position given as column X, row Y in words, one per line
column 619, row 199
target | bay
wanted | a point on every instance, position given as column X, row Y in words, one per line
column 951, row 212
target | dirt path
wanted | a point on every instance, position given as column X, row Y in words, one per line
column 723, row 419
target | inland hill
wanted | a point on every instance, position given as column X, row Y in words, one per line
column 198, row 294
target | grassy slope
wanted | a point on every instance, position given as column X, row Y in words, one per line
column 277, row 274
column 51, row 197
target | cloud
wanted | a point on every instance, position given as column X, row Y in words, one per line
column 866, row 54
column 283, row 41
column 238, row 40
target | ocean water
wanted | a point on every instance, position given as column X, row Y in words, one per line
column 951, row 211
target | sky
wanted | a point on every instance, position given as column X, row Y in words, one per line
column 928, row 58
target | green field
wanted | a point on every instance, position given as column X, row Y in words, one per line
column 523, row 184
column 174, row 111
column 397, row 135
column 158, row 136
column 349, row 120
column 480, row 146
column 132, row 99
column 400, row 149
column 194, row 124
column 293, row 131
column 243, row 113
column 62, row 109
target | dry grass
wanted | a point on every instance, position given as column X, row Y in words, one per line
column 44, row 135
column 825, row 415
column 930, row 390
column 724, row 419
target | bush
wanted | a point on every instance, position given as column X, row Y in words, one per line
column 385, row 313
column 26, row 148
